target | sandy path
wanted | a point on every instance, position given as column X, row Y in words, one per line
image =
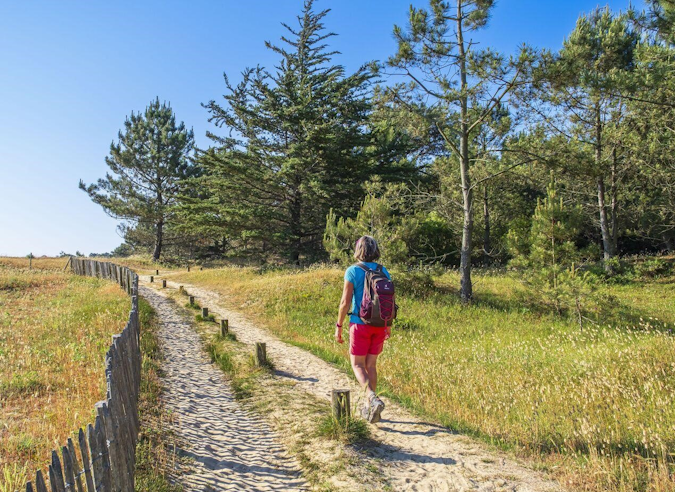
column 417, row 456
column 231, row 449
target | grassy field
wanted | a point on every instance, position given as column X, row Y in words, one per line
column 594, row 406
column 54, row 331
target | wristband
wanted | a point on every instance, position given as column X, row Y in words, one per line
column 338, row 325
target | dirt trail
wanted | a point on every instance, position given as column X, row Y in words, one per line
column 230, row 448
column 417, row 456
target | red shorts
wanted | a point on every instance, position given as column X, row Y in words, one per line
column 366, row 339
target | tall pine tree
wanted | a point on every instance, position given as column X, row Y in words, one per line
column 298, row 145
column 462, row 87
column 580, row 90
column 149, row 164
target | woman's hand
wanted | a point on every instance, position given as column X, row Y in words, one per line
column 387, row 332
column 338, row 334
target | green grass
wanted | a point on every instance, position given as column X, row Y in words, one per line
column 596, row 406
column 349, row 430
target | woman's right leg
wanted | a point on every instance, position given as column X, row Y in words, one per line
column 359, row 368
column 371, row 371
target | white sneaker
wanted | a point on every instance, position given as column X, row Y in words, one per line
column 376, row 407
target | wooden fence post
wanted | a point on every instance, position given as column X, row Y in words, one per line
column 152, row 279
column 224, row 327
column 164, row 284
column 340, row 404
column 188, row 268
column 40, row 484
column 68, row 469
column 156, row 272
column 56, row 474
column 260, row 354
column 205, row 313
column 76, row 465
column 86, row 460
column 192, row 300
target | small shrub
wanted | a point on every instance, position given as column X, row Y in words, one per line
column 229, row 336
column 192, row 306
column 653, row 268
column 207, row 319
column 348, row 429
column 415, row 283
column 268, row 366
column 406, row 324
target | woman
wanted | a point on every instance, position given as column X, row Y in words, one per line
column 365, row 341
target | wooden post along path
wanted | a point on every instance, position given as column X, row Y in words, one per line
column 164, row 284
column 224, row 327
column 205, row 313
column 260, row 354
column 192, row 300
column 152, row 279
column 340, row 404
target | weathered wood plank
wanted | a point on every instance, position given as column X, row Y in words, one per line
column 86, row 461
column 68, row 474
column 261, row 354
column 340, row 404
column 40, row 485
column 77, row 470
column 56, row 474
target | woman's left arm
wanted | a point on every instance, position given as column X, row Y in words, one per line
column 345, row 302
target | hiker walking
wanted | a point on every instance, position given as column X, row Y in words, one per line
column 369, row 292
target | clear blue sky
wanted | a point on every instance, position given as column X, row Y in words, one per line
column 71, row 71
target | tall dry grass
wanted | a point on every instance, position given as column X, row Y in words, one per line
column 55, row 329
column 595, row 407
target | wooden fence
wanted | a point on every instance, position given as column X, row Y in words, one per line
column 107, row 448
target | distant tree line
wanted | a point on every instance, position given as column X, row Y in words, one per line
column 448, row 153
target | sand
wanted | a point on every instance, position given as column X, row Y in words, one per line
column 228, row 447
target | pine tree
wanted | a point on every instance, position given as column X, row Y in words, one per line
column 579, row 88
column 462, row 86
column 298, row 146
column 149, row 164
column 548, row 256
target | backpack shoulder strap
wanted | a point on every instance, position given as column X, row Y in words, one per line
column 379, row 268
column 363, row 267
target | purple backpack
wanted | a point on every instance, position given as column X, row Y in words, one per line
column 378, row 306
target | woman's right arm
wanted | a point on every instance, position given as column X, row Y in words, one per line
column 345, row 303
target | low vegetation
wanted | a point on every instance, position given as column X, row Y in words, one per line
column 593, row 405
column 55, row 329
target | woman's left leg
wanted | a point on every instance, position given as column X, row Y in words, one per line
column 371, row 370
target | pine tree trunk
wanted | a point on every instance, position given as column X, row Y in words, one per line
column 486, row 235
column 466, row 287
column 604, row 223
column 296, row 226
column 614, row 205
column 158, row 240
